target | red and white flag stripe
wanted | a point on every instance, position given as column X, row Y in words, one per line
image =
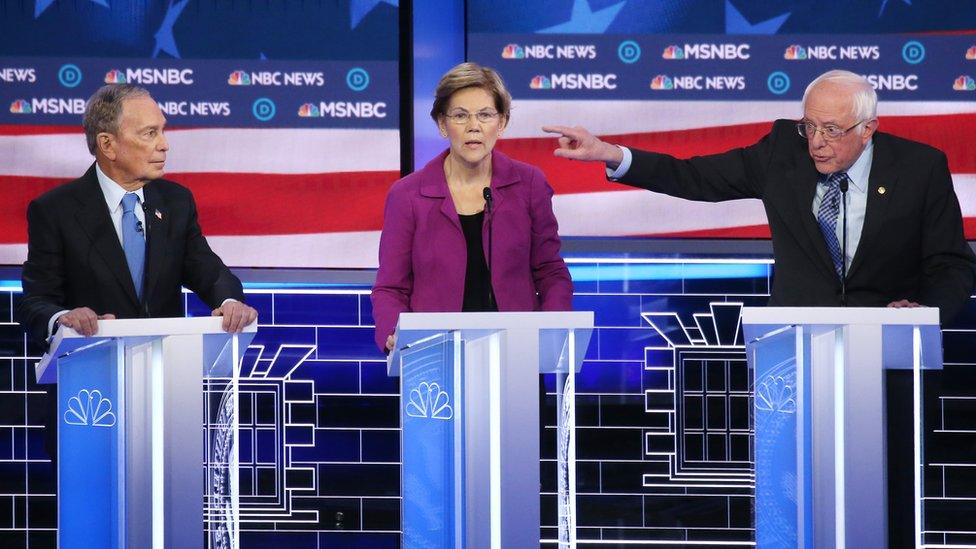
column 314, row 198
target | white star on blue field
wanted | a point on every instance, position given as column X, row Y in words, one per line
column 584, row 20
column 165, row 41
column 358, row 9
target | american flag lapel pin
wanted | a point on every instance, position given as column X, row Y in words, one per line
column 159, row 215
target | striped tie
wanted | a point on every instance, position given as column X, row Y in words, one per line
column 827, row 218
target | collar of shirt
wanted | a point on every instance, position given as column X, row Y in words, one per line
column 860, row 171
column 112, row 191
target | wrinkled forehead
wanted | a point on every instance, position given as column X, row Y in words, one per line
column 142, row 111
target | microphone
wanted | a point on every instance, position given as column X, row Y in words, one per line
column 843, row 241
column 488, row 203
column 140, row 228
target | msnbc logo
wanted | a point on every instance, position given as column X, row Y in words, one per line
column 673, row 52
column 309, row 110
column 513, row 51
column 239, row 78
column 115, row 76
column 540, row 83
column 963, row 83
column 662, row 82
column 971, row 53
column 795, row 53
column 20, row 107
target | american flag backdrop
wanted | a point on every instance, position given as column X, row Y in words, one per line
column 694, row 77
column 282, row 117
column 587, row 205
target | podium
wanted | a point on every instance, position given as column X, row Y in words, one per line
column 819, row 413
column 469, row 408
column 132, row 404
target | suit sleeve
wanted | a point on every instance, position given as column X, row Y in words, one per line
column 203, row 271
column 549, row 272
column 738, row 173
column 394, row 278
column 43, row 273
column 948, row 263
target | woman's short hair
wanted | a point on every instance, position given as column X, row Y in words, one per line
column 471, row 75
column 104, row 109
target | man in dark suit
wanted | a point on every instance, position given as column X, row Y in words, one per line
column 901, row 244
column 120, row 242
column 904, row 244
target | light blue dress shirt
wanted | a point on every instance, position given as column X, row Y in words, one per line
column 857, row 201
column 857, row 195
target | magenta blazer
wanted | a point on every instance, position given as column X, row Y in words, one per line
column 423, row 254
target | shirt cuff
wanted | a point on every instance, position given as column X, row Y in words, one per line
column 624, row 166
column 226, row 301
column 50, row 323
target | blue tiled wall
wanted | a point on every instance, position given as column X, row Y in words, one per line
column 320, row 425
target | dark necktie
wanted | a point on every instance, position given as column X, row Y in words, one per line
column 827, row 218
column 133, row 241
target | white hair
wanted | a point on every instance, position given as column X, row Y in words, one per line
column 864, row 100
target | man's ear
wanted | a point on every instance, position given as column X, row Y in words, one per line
column 105, row 143
column 870, row 127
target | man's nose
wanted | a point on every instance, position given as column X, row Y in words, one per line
column 817, row 140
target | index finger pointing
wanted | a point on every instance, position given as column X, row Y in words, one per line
column 565, row 130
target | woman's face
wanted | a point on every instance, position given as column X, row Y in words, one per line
column 472, row 124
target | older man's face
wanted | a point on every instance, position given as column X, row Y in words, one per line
column 831, row 104
column 138, row 151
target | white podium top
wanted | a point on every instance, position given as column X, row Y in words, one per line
column 550, row 320
column 918, row 316
column 67, row 340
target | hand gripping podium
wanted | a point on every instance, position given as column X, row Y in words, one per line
column 820, row 450
column 132, row 402
column 469, row 407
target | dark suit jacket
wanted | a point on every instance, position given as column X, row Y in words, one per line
column 912, row 245
column 74, row 258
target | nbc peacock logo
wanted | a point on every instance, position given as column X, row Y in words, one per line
column 662, row 82
column 673, row 52
column 513, row 51
column 971, row 53
column 964, row 83
column 540, row 82
column 309, row 110
column 795, row 53
column 239, row 78
column 20, row 106
column 115, row 76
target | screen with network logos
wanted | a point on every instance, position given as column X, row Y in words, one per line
column 283, row 115
column 691, row 77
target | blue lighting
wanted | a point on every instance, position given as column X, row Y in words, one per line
column 10, row 285
column 667, row 271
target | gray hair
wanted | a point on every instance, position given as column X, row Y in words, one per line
column 864, row 100
column 104, row 109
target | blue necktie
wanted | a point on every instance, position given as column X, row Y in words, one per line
column 827, row 218
column 133, row 241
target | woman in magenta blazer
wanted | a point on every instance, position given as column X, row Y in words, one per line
column 469, row 207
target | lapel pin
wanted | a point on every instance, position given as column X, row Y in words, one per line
column 882, row 190
column 159, row 214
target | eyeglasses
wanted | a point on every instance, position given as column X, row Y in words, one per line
column 461, row 117
column 829, row 132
